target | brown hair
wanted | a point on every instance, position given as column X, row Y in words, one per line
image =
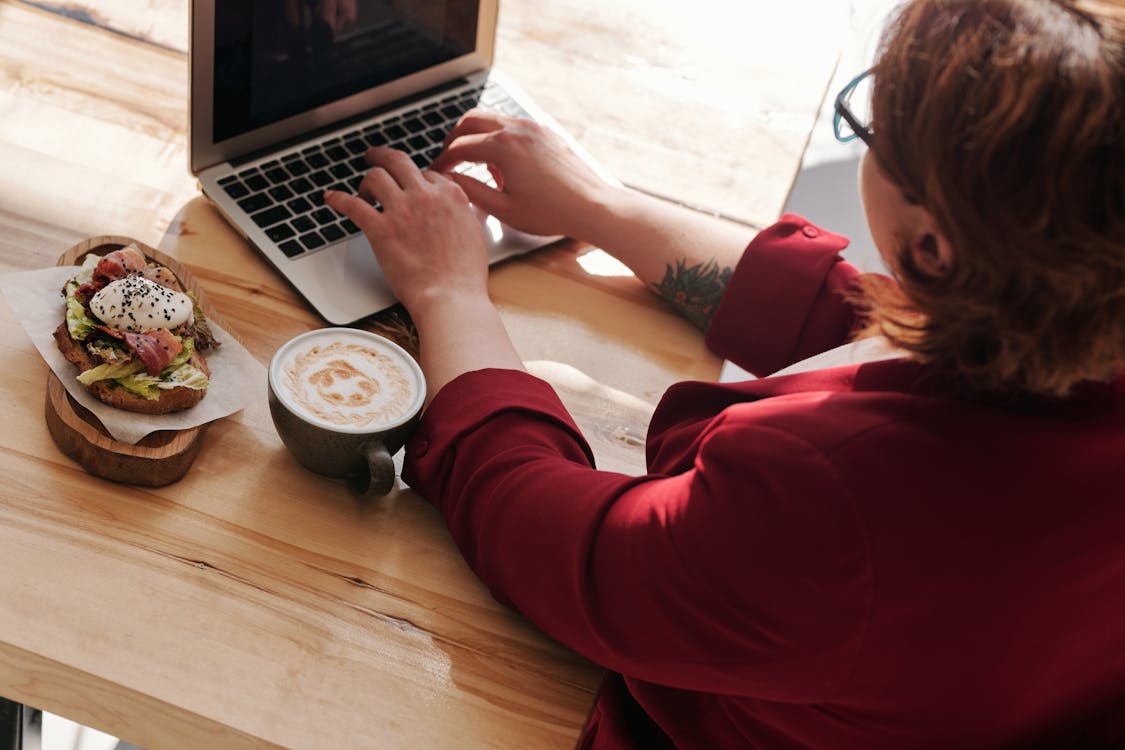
column 1005, row 119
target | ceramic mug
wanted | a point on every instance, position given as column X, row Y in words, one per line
column 343, row 402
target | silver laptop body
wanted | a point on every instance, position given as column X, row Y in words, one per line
column 284, row 101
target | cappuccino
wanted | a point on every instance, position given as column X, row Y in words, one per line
column 347, row 380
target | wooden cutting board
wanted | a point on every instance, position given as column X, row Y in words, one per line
column 160, row 457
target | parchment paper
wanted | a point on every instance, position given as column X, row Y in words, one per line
column 237, row 379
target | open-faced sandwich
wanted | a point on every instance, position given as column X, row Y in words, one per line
column 135, row 335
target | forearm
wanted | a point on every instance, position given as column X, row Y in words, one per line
column 684, row 256
column 459, row 334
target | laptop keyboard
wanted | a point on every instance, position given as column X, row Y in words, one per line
column 284, row 196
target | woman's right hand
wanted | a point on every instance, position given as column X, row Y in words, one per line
column 542, row 186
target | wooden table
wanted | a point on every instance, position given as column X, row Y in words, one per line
column 252, row 604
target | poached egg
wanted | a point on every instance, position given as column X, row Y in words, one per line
column 135, row 304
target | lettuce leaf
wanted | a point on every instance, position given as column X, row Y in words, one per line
column 131, row 374
column 109, row 370
column 86, row 272
column 184, row 376
column 78, row 323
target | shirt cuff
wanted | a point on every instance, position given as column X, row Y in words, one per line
column 470, row 400
column 775, row 310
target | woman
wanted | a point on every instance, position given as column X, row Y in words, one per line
column 920, row 550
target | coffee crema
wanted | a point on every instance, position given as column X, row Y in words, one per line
column 348, row 383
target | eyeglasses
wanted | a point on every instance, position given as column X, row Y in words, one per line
column 853, row 120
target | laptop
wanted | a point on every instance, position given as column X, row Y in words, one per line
column 287, row 95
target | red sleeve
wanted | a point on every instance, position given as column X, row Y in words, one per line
column 785, row 301
column 724, row 578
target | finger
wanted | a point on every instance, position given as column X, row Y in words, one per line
column 485, row 197
column 475, row 121
column 476, row 147
column 496, row 176
column 355, row 208
column 398, row 165
column 378, row 186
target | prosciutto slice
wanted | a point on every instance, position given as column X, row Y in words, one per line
column 119, row 264
column 155, row 348
column 163, row 276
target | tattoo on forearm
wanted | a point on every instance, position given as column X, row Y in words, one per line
column 694, row 291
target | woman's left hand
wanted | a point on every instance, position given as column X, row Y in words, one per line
column 426, row 237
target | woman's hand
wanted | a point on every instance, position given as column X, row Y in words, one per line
column 432, row 249
column 426, row 237
column 543, row 187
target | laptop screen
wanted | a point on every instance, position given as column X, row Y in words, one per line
column 278, row 58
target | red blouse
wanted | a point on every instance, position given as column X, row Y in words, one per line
column 853, row 557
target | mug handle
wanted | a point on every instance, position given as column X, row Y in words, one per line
column 379, row 479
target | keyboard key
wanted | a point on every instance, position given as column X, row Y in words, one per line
column 271, row 216
column 290, row 157
column 255, row 182
column 271, row 164
column 437, row 135
column 237, row 190
column 299, row 205
column 317, row 160
column 320, row 178
column 394, row 132
column 376, row 138
column 291, row 248
column 297, row 168
column 349, row 226
column 277, row 175
column 341, row 171
column 280, row 232
column 418, row 142
column 280, row 193
column 303, row 224
column 316, row 197
column 356, row 146
column 336, row 153
column 451, row 112
column 359, row 164
column 300, row 186
column 224, row 181
column 332, row 233
column 433, row 118
column 255, row 203
column 414, row 125
column 311, row 240
column 324, row 216
column 420, row 160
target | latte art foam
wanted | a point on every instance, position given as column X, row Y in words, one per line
column 348, row 384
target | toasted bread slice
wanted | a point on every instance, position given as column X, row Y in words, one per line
column 171, row 399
